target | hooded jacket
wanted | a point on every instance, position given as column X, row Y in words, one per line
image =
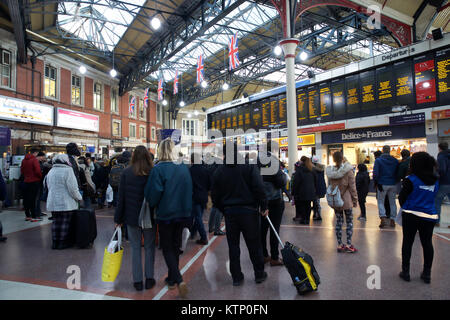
column 320, row 175
column 201, row 183
column 304, row 184
column 344, row 178
column 31, row 169
column 443, row 160
column 385, row 170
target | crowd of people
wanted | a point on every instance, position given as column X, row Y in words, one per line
column 177, row 195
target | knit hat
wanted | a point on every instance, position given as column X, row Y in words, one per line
column 72, row 149
column 126, row 154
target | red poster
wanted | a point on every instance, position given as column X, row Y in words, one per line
column 425, row 82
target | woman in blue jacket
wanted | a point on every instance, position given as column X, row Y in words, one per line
column 169, row 191
column 417, row 199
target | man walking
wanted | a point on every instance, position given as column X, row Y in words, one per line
column 31, row 171
column 385, row 176
column 443, row 160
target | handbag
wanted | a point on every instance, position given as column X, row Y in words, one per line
column 145, row 221
column 112, row 258
column 334, row 198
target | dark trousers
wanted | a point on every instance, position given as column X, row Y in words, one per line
column 61, row 227
column 38, row 200
column 276, row 209
column 115, row 196
column 303, row 210
column 411, row 224
column 362, row 205
column 387, row 206
column 1, row 230
column 170, row 240
column 197, row 221
column 249, row 224
column 29, row 199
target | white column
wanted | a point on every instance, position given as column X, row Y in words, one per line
column 289, row 46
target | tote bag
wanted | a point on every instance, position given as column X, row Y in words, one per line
column 112, row 258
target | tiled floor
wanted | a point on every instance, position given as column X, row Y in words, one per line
column 29, row 269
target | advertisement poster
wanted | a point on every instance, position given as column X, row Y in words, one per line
column 425, row 82
column 77, row 120
column 25, row 111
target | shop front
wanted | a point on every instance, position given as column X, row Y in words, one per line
column 305, row 146
column 358, row 145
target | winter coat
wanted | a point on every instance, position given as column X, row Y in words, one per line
column 385, row 170
column 31, row 169
column 304, row 185
column 443, row 160
column 362, row 184
column 130, row 197
column 169, row 191
column 345, row 179
column 403, row 168
column 84, row 170
column 201, row 183
column 100, row 177
column 321, row 185
column 62, row 187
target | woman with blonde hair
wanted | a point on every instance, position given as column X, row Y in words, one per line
column 169, row 191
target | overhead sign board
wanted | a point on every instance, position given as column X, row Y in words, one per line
column 77, row 120
column 25, row 111
column 407, row 119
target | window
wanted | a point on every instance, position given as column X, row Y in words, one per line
column 190, row 127
column 5, row 68
column 50, row 82
column 116, row 128
column 153, row 133
column 142, row 132
column 142, row 113
column 98, row 96
column 114, row 101
column 133, row 110
column 158, row 113
column 76, row 90
column 132, row 133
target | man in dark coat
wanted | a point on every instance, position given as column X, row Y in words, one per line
column 100, row 179
column 304, row 188
column 321, row 190
column 73, row 151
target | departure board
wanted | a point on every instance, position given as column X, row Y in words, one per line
column 385, row 87
column 313, row 102
column 425, row 80
column 352, row 93
column 256, row 115
column 240, row 123
column 212, row 121
column 302, row 104
column 247, row 117
column 282, row 116
column 367, row 87
column 218, row 117
column 338, row 90
column 223, row 122
column 229, row 116
column 325, row 100
column 265, row 114
column 273, row 112
column 443, row 75
column 404, row 87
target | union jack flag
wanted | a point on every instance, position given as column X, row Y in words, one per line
column 146, row 98
column 160, row 89
column 200, row 74
column 175, row 83
column 132, row 104
column 233, row 53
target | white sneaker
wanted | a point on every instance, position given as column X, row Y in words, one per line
column 184, row 238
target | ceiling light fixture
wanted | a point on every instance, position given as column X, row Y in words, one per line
column 204, row 84
column 82, row 69
column 164, row 102
column 303, row 56
column 182, row 104
column 156, row 23
column 277, row 50
column 195, row 113
column 113, row 73
column 189, row 115
column 225, row 86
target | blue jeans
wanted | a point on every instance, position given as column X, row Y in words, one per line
column 215, row 218
column 197, row 216
column 390, row 191
column 444, row 190
column 134, row 234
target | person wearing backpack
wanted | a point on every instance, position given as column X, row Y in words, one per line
column 342, row 180
column 122, row 162
column 304, row 188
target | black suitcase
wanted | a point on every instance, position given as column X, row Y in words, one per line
column 300, row 266
column 85, row 227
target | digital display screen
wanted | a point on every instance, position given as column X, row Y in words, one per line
column 337, row 90
column 212, row 121
column 313, row 102
column 240, row 123
column 234, row 119
column 404, row 87
column 425, row 80
column 367, row 83
column 385, row 87
column 256, row 115
column 352, row 94
column 302, row 103
column 443, row 75
column 228, row 113
column 325, row 100
column 247, row 117
column 273, row 111
column 282, row 116
column 265, row 114
column 223, row 121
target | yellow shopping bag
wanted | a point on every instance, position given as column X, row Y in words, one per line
column 112, row 258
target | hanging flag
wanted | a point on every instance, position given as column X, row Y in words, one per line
column 160, row 89
column 175, row 83
column 132, row 104
column 146, row 98
column 200, row 74
column 233, row 53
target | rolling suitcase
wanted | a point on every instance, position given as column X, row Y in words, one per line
column 300, row 266
column 85, row 226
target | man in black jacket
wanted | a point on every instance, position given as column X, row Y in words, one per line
column 238, row 192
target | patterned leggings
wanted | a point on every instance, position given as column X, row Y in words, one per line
column 340, row 222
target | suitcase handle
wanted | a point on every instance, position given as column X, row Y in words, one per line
column 275, row 231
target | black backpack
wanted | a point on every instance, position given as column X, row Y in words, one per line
column 114, row 175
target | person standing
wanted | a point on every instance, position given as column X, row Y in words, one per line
column 273, row 187
column 385, row 174
column 341, row 175
column 73, row 152
column 41, row 158
column 238, row 192
column 321, row 190
column 129, row 201
column 2, row 198
column 87, row 185
column 63, row 199
column 201, row 183
column 443, row 164
column 122, row 161
column 403, row 166
column 31, row 170
column 215, row 216
column 304, row 188
column 419, row 213
column 362, row 188
column 169, row 191
column 100, row 180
